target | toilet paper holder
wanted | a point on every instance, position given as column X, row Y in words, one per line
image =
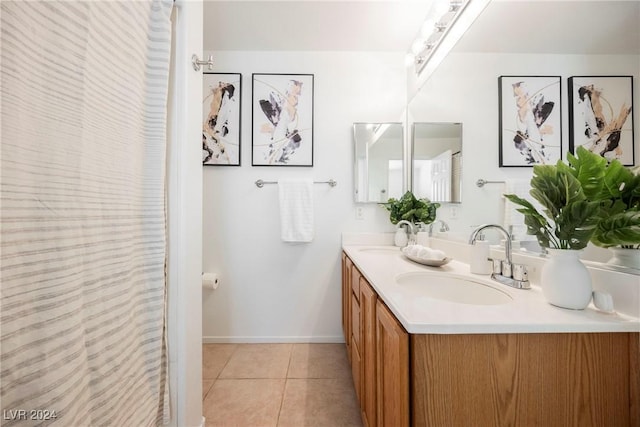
column 210, row 281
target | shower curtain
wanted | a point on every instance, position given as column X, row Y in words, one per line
column 83, row 140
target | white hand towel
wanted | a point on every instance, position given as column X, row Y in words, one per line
column 296, row 210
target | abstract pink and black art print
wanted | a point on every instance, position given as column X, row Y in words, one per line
column 530, row 120
column 282, row 120
column 221, row 119
column 601, row 116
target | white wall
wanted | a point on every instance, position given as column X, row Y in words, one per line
column 270, row 290
column 465, row 89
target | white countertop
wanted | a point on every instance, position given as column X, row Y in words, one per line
column 528, row 312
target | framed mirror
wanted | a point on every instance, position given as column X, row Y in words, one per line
column 436, row 163
column 379, row 154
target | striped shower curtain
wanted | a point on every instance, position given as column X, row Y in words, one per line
column 83, row 110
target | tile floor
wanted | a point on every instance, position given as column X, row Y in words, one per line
column 293, row 385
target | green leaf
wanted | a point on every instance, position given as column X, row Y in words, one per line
column 408, row 215
column 617, row 230
column 409, row 208
column 589, row 169
column 569, row 219
column 576, row 224
column 618, row 181
column 537, row 224
column 554, row 189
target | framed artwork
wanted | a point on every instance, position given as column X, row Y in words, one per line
column 222, row 94
column 601, row 116
column 530, row 120
column 282, row 113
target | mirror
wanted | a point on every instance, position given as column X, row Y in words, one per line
column 436, row 167
column 379, row 161
column 463, row 88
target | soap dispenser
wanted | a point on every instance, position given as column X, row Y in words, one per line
column 479, row 262
column 401, row 238
column 422, row 236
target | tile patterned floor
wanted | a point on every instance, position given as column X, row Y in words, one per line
column 288, row 385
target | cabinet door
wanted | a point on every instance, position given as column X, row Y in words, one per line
column 356, row 349
column 347, row 265
column 392, row 362
column 356, row 370
column 368, row 298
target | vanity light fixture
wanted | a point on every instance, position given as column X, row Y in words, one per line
column 441, row 18
column 440, row 27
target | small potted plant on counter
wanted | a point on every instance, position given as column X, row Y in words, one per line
column 563, row 228
column 617, row 189
column 411, row 209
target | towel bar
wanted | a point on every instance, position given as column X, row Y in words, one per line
column 260, row 183
column 481, row 182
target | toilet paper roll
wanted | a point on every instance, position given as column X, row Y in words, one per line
column 210, row 281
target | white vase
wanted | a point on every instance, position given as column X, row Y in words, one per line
column 565, row 280
column 626, row 257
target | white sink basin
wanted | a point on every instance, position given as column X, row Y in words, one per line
column 381, row 250
column 456, row 289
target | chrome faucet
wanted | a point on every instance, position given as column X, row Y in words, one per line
column 507, row 236
column 514, row 275
column 410, row 229
column 443, row 226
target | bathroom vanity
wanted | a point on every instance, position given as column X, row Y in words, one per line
column 425, row 356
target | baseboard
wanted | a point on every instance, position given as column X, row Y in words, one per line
column 254, row 340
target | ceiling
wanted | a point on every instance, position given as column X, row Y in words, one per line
column 313, row 25
column 508, row 26
column 570, row 27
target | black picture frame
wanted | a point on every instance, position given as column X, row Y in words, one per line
column 601, row 116
column 530, row 120
column 221, row 119
column 282, row 119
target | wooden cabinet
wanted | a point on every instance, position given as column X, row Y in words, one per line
column 392, row 369
column 356, row 331
column 358, row 325
column 368, row 299
column 550, row 379
column 563, row 379
column 356, row 369
column 378, row 348
column 356, row 353
column 347, row 265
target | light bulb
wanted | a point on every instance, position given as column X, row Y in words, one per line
column 439, row 8
column 417, row 46
column 409, row 60
column 428, row 27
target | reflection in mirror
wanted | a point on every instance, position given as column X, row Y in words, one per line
column 437, row 161
column 607, row 42
column 378, row 161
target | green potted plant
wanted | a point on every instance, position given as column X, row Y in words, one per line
column 411, row 209
column 564, row 227
column 617, row 189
